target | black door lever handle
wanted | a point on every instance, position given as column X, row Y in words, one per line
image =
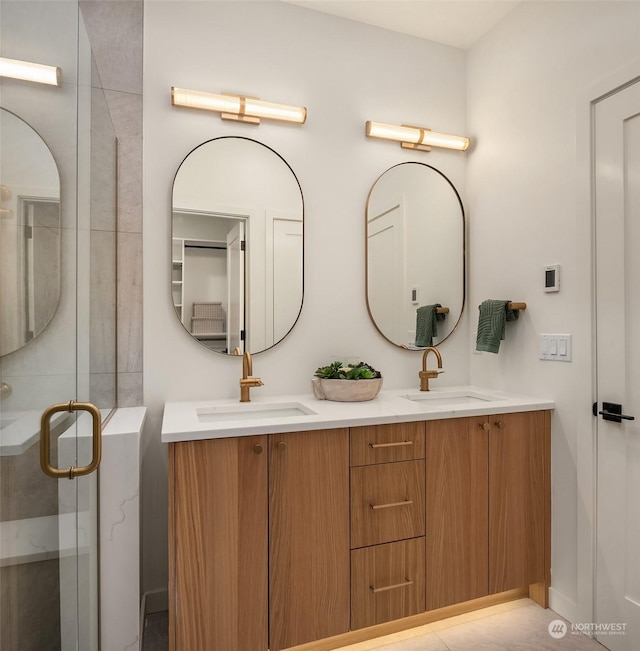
column 612, row 411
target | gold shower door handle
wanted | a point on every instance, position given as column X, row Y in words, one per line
column 45, row 440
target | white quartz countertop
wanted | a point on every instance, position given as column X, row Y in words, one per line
column 188, row 421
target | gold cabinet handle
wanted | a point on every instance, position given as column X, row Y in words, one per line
column 485, row 426
column 281, row 445
column 257, row 448
column 45, row 440
column 500, row 424
column 375, row 507
column 374, row 446
column 404, row 584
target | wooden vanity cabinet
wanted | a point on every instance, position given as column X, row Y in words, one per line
column 488, row 507
column 218, row 545
column 519, row 500
column 308, row 536
column 387, row 523
column 259, row 541
column 274, row 540
column 457, row 511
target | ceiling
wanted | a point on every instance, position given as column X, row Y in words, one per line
column 459, row 23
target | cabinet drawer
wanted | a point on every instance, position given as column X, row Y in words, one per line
column 386, row 443
column 387, row 502
column 387, row 582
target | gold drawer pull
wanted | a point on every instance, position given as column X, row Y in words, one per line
column 406, row 583
column 375, row 507
column 389, row 445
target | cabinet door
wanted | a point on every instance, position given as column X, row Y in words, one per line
column 517, row 490
column 308, row 536
column 457, row 501
column 218, row 544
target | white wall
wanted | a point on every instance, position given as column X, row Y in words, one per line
column 345, row 73
column 528, row 83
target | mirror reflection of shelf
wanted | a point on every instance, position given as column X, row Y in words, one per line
column 177, row 274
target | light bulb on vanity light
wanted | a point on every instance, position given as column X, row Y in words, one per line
column 237, row 107
column 28, row 71
column 416, row 137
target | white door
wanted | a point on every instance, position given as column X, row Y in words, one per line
column 235, row 288
column 284, row 278
column 386, row 272
column 617, row 205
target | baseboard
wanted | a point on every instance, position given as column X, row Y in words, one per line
column 562, row 605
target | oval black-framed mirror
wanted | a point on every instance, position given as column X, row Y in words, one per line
column 30, row 241
column 415, row 255
column 237, row 249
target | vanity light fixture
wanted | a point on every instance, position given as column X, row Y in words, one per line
column 416, row 137
column 30, row 71
column 237, row 107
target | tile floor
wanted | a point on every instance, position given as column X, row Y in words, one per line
column 155, row 636
column 518, row 625
column 515, row 626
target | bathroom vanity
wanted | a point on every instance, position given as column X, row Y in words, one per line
column 293, row 521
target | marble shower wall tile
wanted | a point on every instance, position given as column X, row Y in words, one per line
column 129, row 303
column 103, row 302
column 126, row 113
column 120, row 531
column 115, row 32
column 115, row 29
column 129, row 389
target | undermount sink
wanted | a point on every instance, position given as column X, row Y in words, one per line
column 248, row 411
column 5, row 422
column 442, row 398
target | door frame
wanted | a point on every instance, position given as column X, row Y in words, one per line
column 584, row 609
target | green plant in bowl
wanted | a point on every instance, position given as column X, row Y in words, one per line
column 338, row 371
column 332, row 382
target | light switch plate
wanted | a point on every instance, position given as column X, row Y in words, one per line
column 556, row 348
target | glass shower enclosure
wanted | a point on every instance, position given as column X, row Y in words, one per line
column 57, row 327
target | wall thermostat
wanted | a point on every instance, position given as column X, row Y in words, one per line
column 552, row 278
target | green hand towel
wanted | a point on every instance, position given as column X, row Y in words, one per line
column 491, row 321
column 426, row 324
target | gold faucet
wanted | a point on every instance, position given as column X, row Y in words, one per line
column 247, row 381
column 425, row 374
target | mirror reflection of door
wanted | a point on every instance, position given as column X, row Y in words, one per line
column 222, row 183
column 30, row 233
column 415, row 253
column 41, row 268
column 386, row 278
column 235, row 288
column 208, row 270
column 283, row 255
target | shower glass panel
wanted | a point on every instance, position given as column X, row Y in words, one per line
column 57, row 317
